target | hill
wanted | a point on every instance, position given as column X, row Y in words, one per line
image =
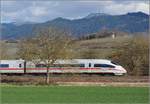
column 100, row 47
column 92, row 48
column 130, row 22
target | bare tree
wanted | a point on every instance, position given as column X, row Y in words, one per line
column 134, row 56
column 28, row 50
column 49, row 45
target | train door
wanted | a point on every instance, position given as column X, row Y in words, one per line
column 90, row 65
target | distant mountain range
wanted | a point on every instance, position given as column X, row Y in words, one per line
column 130, row 22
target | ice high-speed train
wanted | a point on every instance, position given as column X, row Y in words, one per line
column 99, row 66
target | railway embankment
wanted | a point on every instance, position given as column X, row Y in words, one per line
column 79, row 80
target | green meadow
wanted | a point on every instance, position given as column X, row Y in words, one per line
column 73, row 95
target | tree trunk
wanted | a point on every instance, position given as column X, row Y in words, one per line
column 47, row 76
column 25, row 67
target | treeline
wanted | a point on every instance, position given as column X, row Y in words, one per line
column 103, row 34
column 134, row 56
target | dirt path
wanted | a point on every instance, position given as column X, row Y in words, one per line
column 119, row 84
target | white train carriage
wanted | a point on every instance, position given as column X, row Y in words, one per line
column 12, row 66
column 63, row 66
column 78, row 66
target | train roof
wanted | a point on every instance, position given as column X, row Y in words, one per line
column 92, row 60
column 11, row 60
column 69, row 61
column 84, row 61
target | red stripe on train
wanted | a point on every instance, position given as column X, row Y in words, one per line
column 52, row 68
column 11, row 68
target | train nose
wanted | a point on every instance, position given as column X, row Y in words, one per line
column 124, row 70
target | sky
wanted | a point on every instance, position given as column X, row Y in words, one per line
column 44, row 10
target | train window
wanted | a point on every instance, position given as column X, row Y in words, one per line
column 40, row 65
column 72, row 65
column 97, row 65
column 4, row 65
column 20, row 65
column 104, row 65
column 60, row 65
column 44, row 66
column 82, row 65
column 114, row 63
column 77, row 65
column 55, row 65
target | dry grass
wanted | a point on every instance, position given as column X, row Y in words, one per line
column 100, row 48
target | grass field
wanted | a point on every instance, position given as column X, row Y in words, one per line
column 74, row 95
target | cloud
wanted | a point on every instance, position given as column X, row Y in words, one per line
column 143, row 7
column 40, row 11
column 122, row 7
